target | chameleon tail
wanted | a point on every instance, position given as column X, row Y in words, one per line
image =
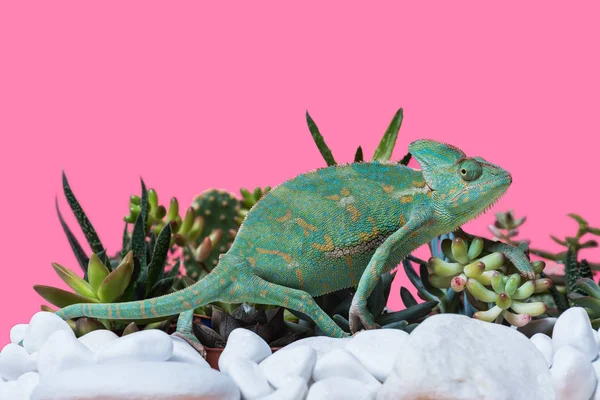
column 202, row 292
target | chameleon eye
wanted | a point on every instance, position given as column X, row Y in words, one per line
column 470, row 170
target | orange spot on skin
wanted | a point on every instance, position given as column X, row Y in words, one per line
column 152, row 307
column 300, row 278
column 263, row 293
column 387, row 188
column 233, row 278
column 402, row 220
column 285, row 301
column 286, row 217
column 414, row 234
column 252, row 261
column 306, row 226
column 335, row 197
column 406, row 199
column 118, row 311
column 286, row 257
column 354, row 213
column 234, row 289
column 143, row 309
column 327, row 246
column 451, row 191
column 443, row 195
column 352, row 277
column 222, row 281
column 418, row 184
column 345, row 192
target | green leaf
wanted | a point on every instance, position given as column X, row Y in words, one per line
column 406, row 159
column 580, row 220
column 358, row 156
column 125, row 240
column 159, row 257
column 97, row 272
column 407, row 298
column 85, row 224
column 589, row 286
column 319, row 141
column 388, row 141
column 410, row 314
column 585, row 301
column 138, row 237
column 557, row 240
column 81, row 286
column 61, row 298
column 80, row 255
column 114, row 285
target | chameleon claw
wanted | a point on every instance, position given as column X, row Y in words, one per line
column 192, row 341
column 360, row 316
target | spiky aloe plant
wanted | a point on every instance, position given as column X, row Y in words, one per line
column 138, row 272
column 587, row 295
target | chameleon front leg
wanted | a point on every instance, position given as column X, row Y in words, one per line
column 513, row 253
column 395, row 248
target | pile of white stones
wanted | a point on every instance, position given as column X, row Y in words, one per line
column 447, row 356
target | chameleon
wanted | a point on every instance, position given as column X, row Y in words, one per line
column 333, row 228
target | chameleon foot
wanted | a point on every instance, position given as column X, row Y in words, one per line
column 192, row 341
column 360, row 315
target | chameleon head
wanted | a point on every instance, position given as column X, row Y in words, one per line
column 462, row 187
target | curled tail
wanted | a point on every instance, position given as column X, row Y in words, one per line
column 207, row 290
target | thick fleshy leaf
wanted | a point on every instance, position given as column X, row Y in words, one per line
column 138, row 237
column 388, row 141
column 75, row 282
column 159, row 257
column 80, row 255
column 86, row 325
column 407, row 298
column 61, row 298
column 358, row 157
column 114, row 285
column 319, row 141
column 97, row 272
column 410, row 314
column 589, row 286
column 85, row 224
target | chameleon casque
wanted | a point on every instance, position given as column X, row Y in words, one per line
column 334, row 228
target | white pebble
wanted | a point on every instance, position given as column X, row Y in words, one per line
column 377, row 349
column 249, row 379
column 21, row 388
column 289, row 363
column 243, row 343
column 41, row 326
column 321, row 344
column 62, row 351
column 294, row 389
column 340, row 363
column 183, row 352
column 573, row 375
column 573, row 328
column 98, row 338
column 148, row 345
column 544, row 344
column 15, row 361
column 339, row 389
column 137, row 380
column 17, row 333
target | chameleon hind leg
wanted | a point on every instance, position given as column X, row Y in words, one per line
column 184, row 331
column 294, row 299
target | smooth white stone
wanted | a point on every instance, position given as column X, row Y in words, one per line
column 294, row 389
column 21, row 388
column 15, row 361
column 97, row 339
column 544, row 344
column 243, row 343
column 377, row 350
column 62, row 351
column 41, row 326
column 149, row 345
column 573, row 328
column 321, row 344
column 597, row 337
column 249, row 379
column 137, row 380
column 288, row 363
column 573, row 375
column 451, row 356
column 183, row 352
column 340, row 363
column 17, row 333
column 340, row 389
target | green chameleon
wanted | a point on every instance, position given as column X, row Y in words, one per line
column 334, row 228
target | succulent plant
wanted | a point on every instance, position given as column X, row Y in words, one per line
column 249, row 199
column 588, row 296
column 505, row 228
column 136, row 273
column 491, row 290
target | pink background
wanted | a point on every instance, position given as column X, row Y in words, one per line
column 193, row 95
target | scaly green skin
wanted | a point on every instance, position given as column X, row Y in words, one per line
column 334, row 228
